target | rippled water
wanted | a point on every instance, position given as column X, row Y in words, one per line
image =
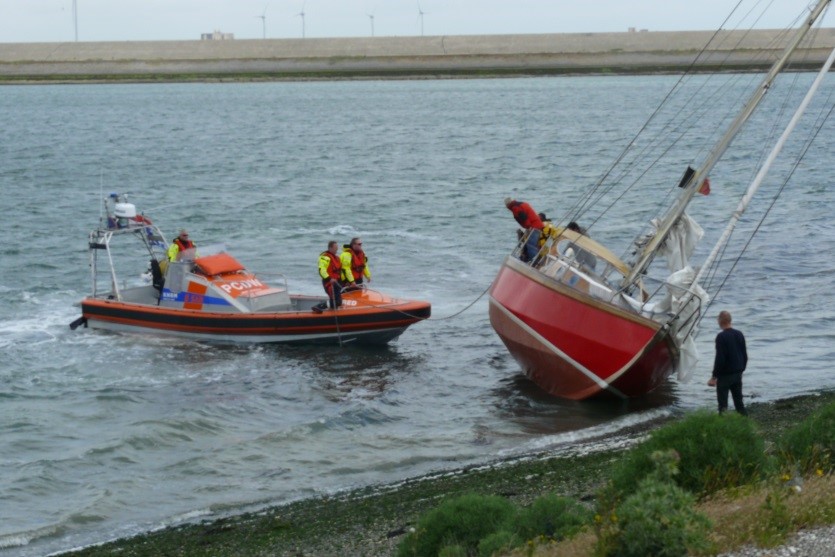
column 105, row 435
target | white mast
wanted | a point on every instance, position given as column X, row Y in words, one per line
column 649, row 250
column 752, row 189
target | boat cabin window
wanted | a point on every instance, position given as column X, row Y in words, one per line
column 572, row 251
column 176, row 274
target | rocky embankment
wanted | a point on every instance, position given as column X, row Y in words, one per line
column 404, row 57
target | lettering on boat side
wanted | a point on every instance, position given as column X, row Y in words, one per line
column 241, row 286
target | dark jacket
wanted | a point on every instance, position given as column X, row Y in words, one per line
column 731, row 355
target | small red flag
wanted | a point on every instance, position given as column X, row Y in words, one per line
column 704, row 189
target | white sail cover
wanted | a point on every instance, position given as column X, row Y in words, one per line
column 681, row 242
column 679, row 301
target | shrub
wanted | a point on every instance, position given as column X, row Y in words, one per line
column 462, row 521
column 498, row 542
column 659, row 519
column 715, row 451
column 452, row 551
column 810, row 445
column 774, row 521
column 553, row 517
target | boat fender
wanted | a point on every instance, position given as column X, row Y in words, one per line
column 78, row 322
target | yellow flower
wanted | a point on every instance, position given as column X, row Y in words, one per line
column 819, row 472
column 785, row 477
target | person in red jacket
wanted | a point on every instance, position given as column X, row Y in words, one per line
column 530, row 221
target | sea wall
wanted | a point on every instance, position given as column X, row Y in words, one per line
column 632, row 52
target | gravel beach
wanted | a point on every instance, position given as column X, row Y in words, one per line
column 815, row 542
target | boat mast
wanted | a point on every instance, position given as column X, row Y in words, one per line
column 674, row 213
column 752, row 189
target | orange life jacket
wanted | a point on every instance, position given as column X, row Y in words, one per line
column 188, row 244
column 334, row 267
column 358, row 263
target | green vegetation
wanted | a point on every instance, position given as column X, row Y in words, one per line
column 484, row 525
column 376, row 520
column 715, row 452
column 649, row 506
column 460, row 523
column 552, row 517
column 810, row 445
column 658, row 519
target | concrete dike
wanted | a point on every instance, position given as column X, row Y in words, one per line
column 404, row 57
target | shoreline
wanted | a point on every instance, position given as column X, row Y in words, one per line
column 372, row 520
column 432, row 57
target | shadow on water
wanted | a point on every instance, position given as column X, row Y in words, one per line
column 350, row 371
column 536, row 412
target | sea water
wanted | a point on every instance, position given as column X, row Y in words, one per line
column 106, row 435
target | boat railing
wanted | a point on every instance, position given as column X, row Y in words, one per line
column 679, row 306
column 275, row 280
column 522, row 239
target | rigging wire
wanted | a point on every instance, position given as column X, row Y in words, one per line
column 711, row 274
column 585, row 201
column 813, row 135
column 431, row 318
column 675, row 124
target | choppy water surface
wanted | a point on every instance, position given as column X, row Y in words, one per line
column 105, row 435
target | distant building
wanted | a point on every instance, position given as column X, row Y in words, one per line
column 217, row 36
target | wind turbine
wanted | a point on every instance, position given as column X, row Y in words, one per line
column 301, row 14
column 421, row 13
column 75, row 18
column 371, row 17
column 263, row 18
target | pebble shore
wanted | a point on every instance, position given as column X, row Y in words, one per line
column 817, row 542
column 373, row 520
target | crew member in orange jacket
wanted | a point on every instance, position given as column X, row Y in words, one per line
column 179, row 246
column 354, row 265
column 330, row 270
column 530, row 221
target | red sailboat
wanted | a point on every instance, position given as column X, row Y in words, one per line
column 582, row 322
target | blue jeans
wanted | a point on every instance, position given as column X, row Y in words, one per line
column 531, row 246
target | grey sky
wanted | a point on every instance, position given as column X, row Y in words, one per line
column 143, row 20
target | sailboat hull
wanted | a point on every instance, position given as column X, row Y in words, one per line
column 573, row 345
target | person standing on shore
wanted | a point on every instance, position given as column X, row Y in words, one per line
column 731, row 360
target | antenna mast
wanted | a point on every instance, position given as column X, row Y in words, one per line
column 75, row 17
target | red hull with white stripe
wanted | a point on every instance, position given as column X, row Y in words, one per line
column 573, row 345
